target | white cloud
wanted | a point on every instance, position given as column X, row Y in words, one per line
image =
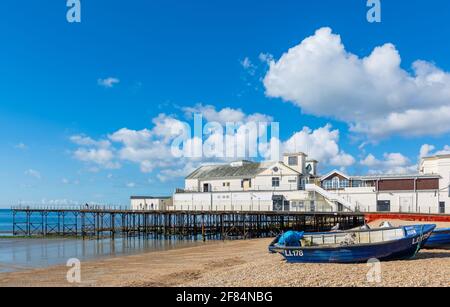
column 426, row 150
column 247, row 64
column 33, row 173
column 266, row 58
column 82, row 140
column 392, row 163
column 429, row 150
column 102, row 157
column 99, row 153
column 225, row 115
column 151, row 148
column 108, row 82
column 321, row 144
column 374, row 95
column 67, row 181
column 130, row 185
column 21, row 146
column 168, row 174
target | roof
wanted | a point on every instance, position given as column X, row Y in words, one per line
column 295, row 154
column 381, row 176
column 228, row 171
column 395, row 176
column 437, row 157
column 334, row 172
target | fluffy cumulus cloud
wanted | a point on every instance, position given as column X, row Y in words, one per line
column 391, row 163
column 225, row 115
column 154, row 152
column 397, row 163
column 99, row 154
column 321, row 144
column 373, row 94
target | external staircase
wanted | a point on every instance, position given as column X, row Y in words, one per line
column 332, row 198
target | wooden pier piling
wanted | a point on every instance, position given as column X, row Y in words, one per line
column 109, row 222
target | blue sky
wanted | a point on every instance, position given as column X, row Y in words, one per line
column 171, row 55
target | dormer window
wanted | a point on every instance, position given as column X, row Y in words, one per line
column 293, row 161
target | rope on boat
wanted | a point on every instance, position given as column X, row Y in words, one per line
column 420, row 242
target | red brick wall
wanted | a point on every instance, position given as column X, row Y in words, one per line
column 427, row 184
column 408, row 184
column 396, row 185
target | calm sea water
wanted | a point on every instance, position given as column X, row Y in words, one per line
column 5, row 221
column 19, row 254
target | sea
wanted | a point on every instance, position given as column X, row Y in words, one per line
column 21, row 254
column 5, row 221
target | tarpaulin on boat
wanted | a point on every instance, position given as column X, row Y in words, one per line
column 291, row 238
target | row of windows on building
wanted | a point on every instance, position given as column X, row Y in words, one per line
column 338, row 183
column 275, row 183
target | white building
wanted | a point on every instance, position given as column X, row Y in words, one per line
column 146, row 203
column 293, row 185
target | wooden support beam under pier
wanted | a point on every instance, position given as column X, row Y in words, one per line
column 103, row 222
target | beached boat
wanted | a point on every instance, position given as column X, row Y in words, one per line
column 353, row 246
column 439, row 238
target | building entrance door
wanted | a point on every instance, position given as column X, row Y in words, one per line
column 278, row 201
column 246, row 184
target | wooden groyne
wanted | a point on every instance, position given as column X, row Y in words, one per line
column 100, row 222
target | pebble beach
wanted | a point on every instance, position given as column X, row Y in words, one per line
column 237, row 264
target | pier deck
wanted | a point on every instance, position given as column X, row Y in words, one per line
column 101, row 222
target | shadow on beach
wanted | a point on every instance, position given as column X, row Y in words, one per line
column 433, row 254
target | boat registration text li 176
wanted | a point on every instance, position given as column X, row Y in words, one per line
column 420, row 239
column 293, row 253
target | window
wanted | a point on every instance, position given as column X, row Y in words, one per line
column 384, row 206
column 327, row 185
column 335, row 182
column 441, row 207
column 357, row 183
column 344, row 183
column 275, row 182
column 293, row 161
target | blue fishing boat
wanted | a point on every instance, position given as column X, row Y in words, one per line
column 353, row 246
column 440, row 238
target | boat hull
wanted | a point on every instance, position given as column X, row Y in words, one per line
column 386, row 251
column 439, row 239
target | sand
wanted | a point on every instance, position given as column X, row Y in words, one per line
column 240, row 264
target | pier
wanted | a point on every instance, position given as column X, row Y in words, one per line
column 100, row 222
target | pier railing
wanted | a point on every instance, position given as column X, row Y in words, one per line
column 70, row 208
column 101, row 221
